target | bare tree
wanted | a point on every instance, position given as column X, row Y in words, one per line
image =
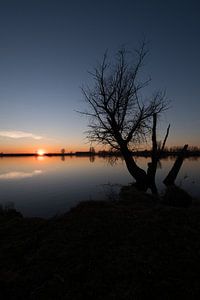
column 118, row 115
column 62, row 151
column 92, row 150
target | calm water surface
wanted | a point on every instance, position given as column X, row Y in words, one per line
column 45, row 186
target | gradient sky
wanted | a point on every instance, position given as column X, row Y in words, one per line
column 47, row 47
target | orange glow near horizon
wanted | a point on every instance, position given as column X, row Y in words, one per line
column 41, row 149
column 46, row 148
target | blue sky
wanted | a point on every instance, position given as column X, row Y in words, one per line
column 47, row 47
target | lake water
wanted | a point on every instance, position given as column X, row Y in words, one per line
column 46, row 186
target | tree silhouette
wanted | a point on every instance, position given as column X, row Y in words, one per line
column 92, row 150
column 119, row 117
column 62, row 151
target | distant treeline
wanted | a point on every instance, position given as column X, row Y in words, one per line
column 172, row 151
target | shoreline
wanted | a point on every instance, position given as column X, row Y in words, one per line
column 88, row 154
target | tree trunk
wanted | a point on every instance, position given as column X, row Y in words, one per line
column 171, row 177
column 152, row 167
column 138, row 174
column 151, row 174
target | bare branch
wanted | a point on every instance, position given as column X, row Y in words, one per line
column 165, row 139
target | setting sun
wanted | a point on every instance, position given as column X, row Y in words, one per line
column 40, row 152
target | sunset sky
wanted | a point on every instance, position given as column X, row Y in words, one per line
column 47, row 48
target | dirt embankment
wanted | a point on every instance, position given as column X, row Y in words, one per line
column 102, row 250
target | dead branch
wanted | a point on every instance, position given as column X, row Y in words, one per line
column 171, row 177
